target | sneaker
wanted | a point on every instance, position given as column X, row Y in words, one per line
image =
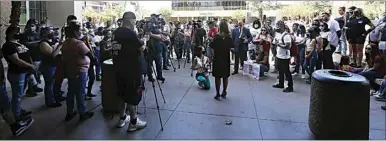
column 37, row 89
column 122, row 121
column 380, row 97
column 278, row 86
column 383, row 108
column 87, row 97
column 86, row 116
column 288, row 90
column 303, row 76
column 91, row 95
column 19, row 127
column 137, row 126
column 70, row 116
column 53, row 105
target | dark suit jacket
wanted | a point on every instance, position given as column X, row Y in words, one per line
column 236, row 40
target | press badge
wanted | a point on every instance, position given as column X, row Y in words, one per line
column 360, row 22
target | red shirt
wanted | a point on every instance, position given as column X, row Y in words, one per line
column 266, row 46
column 382, row 68
column 212, row 32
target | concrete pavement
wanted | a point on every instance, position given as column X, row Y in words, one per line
column 257, row 111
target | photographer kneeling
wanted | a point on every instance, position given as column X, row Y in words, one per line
column 126, row 50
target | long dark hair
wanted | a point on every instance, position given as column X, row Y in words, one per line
column 29, row 23
column 224, row 29
column 302, row 30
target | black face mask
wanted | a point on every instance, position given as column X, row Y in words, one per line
column 17, row 36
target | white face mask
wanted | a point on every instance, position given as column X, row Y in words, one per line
column 33, row 28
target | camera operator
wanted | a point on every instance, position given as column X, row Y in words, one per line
column 126, row 50
column 178, row 40
column 165, row 44
column 154, row 52
column 199, row 36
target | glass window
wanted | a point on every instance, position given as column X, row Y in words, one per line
column 23, row 13
column 37, row 10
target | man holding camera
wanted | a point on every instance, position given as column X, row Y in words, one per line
column 126, row 48
column 199, row 36
column 154, row 52
column 241, row 36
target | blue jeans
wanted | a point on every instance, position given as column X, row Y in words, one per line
column 48, row 75
column 342, row 47
column 382, row 89
column 17, row 81
column 165, row 56
column 188, row 48
column 371, row 75
column 77, row 90
column 309, row 65
column 4, row 99
column 98, row 64
column 300, row 59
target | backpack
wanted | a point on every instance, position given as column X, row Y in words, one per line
column 293, row 49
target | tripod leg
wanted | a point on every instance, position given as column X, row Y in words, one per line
column 185, row 62
column 159, row 86
column 178, row 61
column 171, row 62
column 156, row 101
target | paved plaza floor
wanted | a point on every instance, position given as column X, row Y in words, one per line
column 257, row 111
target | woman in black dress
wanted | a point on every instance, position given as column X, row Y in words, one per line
column 222, row 44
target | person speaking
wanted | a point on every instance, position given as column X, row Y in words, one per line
column 126, row 48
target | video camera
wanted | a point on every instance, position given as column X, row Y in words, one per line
column 153, row 23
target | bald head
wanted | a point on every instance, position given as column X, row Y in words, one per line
column 128, row 19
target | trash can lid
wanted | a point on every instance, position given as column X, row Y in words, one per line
column 329, row 75
column 108, row 62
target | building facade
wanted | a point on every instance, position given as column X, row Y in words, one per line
column 206, row 10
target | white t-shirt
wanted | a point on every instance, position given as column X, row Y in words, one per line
column 281, row 52
column 375, row 34
column 326, row 35
column 334, row 27
column 309, row 46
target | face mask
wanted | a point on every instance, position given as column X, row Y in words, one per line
column 33, row 29
column 17, row 36
column 132, row 21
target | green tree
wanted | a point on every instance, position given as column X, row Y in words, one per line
column 260, row 6
column 302, row 9
column 166, row 13
column 238, row 15
column 372, row 9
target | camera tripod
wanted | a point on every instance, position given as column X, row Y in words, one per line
column 149, row 64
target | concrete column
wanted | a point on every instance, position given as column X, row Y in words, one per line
column 57, row 11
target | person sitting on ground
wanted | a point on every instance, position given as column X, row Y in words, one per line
column 344, row 65
column 201, row 65
column 380, row 95
column 264, row 41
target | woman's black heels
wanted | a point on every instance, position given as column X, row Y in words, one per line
column 217, row 97
column 224, row 95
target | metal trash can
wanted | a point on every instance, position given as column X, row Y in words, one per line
column 110, row 100
column 339, row 105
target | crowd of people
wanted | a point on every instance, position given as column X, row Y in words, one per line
column 77, row 53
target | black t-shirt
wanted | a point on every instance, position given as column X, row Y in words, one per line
column 356, row 27
column 125, row 53
column 10, row 48
column 34, row 48
column 199, row 36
